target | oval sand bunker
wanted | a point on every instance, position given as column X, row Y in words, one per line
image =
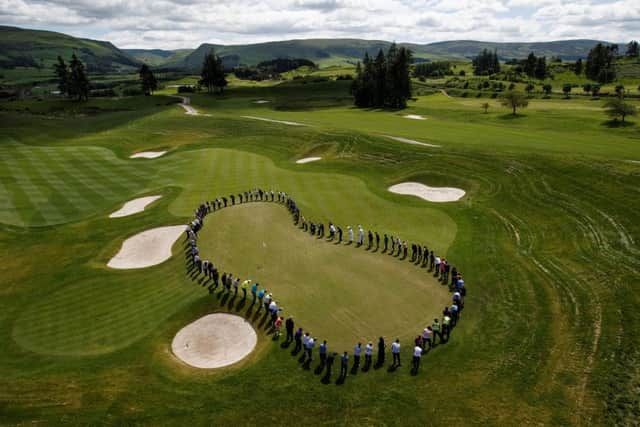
column 147, row 154
column 308, row 160
column 431, row 194
column 134, row 206
column 151, row 247
column 214, row 341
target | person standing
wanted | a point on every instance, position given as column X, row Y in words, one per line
column 377, row 241
column 381, row 351
column 437, row 266
column 277, row 325
column 322, row 350
column 395, row 351
column 356, row 355
column 446, row 327
column 344, row 364
column 368, row 356
column 339, row 234
column 311, row 343
column 386, row 242
column 298, row 339
column 261, row 297
column 360, row 236
column 436, row 331
column 350, row 233
column 427, row 333
column 417, row 355
column 254, row 292
column 289, row 325
column 245, row 286
column 330, row 358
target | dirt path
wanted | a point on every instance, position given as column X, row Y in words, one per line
column 186, row 104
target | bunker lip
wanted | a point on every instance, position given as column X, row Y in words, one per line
column 414, row 117
column 411, row 141
column 147, row 154
column 146, row 249
column 214, row 341
column 308, row 160
column 264, row 119
column 431, row 194
column 134, row 206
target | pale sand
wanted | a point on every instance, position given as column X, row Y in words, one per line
column 147, row 154
column 308, row 159
column 414, row 117
column 151, row 247
column 134, row 206
column 214, row 341
column 410, row 141
column 261, row 101
column 431, row 194
column 284, row 122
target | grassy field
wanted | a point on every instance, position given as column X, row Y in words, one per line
column 546, row 237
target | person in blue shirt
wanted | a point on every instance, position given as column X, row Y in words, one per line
column 344, row 364
column 254, row 292
column 260, row 297
column 323, row 352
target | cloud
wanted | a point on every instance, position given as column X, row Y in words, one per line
column 187, row 23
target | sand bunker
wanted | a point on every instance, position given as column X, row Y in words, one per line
column 284, row 122
column 410, row 141
column 147, row 154
column 148, row 248
column 414, row 117
column 431, row 194
column 134, row 206
column 261, row 101
column 214, row 341
column 308, row 160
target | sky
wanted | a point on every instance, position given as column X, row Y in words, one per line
column 173, row 24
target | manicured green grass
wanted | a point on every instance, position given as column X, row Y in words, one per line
column 546, row 238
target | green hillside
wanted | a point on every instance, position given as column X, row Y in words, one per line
column 328, row 52
column 158, row 57
column 40, row 49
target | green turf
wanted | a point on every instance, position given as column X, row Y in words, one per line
column 546, row 237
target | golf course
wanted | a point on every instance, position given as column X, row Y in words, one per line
column 102, row 309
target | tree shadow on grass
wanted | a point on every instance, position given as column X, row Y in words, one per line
column 613, row 124
column 511, row 117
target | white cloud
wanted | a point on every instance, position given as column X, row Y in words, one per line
column 187, row 23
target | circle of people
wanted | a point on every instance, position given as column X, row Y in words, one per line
column 437, row 332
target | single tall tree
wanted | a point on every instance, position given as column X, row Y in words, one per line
column 600, row 63
column 514, row 100
column 62, row 73
column 578, row 67
column 633, row 49
column 147, row 80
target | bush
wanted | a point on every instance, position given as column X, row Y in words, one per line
column 494, row 95
column 186, row 89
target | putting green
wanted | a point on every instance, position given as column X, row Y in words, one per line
column 336, row 291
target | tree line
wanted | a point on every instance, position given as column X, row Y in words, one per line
column 383, row 82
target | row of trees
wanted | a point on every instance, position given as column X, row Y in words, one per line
column 384, row 82
column 535, row 66
column 600, row 63
column 72, row 78
column 432, row 69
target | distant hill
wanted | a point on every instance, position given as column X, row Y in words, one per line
column 565, row 49
column 158, row 57
column 40, row 49
column 340, row 51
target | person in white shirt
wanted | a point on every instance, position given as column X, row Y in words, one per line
column 356, row 356
column 395, row 350
column 437, row 269
column 417, row 355
column 360, row 235
column 350, row 234
column 368, row 356
column 311, row 343
column 427, row 333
